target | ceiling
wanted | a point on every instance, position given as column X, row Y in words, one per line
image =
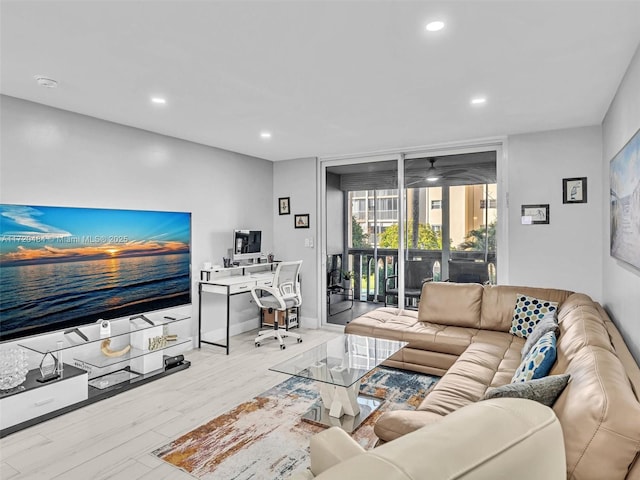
column 323, row 77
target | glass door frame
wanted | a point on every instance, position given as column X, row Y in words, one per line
column 499, row 145
column 323, row 164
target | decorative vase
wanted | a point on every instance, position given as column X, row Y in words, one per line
column 13, row 368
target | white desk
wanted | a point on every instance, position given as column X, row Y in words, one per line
column 230, row 282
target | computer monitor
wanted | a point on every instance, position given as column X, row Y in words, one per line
column 247, row 244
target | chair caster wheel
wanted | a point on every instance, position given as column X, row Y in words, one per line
column 257, row 344
column 282, row 347
column 299, row 340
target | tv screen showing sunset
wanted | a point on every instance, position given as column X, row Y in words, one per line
column 63, row 266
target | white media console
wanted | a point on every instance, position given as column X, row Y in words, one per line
column 91, row 372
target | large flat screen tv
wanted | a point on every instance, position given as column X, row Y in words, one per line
column 62, row 267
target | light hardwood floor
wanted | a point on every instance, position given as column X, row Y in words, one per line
column 112, row 439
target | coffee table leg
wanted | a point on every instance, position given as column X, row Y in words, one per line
column 345, row 401
column 338, row 400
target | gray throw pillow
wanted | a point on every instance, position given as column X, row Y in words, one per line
column 548, row 324
column 544, row 390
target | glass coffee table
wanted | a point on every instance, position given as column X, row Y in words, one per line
column 338, row 366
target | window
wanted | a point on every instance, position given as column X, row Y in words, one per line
column 436, row 204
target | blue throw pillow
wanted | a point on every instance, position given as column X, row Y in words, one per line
column 538, row 362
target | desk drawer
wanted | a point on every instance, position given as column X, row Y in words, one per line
column 208, row 288
column 242, row 287
column 267, row 282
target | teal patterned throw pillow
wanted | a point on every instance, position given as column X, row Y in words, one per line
column 528, row 312
column 538, row 362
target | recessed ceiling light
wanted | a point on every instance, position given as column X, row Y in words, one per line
column 45, row 81
column 265, row 135
column 158, row 100
column 478, row 100
column 435, row 26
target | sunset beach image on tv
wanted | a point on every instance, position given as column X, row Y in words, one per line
column 65, row 266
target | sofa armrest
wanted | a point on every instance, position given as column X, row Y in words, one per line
column 303, row 475
column 396, row 423
column 480, row 441
column 330, row 447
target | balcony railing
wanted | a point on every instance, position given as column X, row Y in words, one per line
column 463, row 266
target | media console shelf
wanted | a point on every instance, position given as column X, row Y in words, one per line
column 89, row 374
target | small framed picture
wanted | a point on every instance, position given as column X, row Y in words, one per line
column 283, row 206
column 302, row 221
column 574, row 190
column 535, row 214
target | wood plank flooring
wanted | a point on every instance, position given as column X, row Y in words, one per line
column 346, row 316
column 112, row 439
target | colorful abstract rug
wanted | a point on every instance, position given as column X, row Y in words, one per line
column 265, row 438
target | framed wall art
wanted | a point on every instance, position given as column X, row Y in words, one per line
column 574, row 190
column 535, row 214
column 283, row 206
column 624, row 187
column 302, row 221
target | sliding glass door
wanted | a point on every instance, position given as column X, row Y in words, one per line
column 451, row 218
column 361, row 203
column 393, row 223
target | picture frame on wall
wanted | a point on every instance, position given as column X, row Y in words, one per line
column 301, row 221
column 574, row 190
column 535, row 214
column 283, row 206
column 624, row 188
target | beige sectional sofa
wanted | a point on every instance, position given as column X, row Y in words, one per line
column 450, row 448
column 461, row 332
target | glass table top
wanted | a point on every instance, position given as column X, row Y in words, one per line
column 341, row 361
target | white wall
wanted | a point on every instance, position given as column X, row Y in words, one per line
column 621, row 282
column 566, row 253
column 55, row 157
column 296, row 179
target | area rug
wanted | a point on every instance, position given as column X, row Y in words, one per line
column 265, row 438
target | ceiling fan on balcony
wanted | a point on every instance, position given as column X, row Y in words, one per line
column 433, row 174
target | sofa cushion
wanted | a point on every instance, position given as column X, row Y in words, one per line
column 538, row 361
column 547, row 324
column 439, row 338
column 544, row 390
column 367, row 323
column 528, row 312
column 481, row 366
column 600, row 416
column 498, row 302
column 456, row 304
column 581, row 324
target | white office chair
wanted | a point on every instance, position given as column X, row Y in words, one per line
column 281, row 296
